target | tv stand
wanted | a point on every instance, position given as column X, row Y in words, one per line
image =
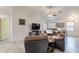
column 35, row 32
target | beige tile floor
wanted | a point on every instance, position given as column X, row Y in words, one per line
column 58, row 51
column 12, row 47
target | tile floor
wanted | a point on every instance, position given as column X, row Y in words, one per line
column 58, row 51
column 12, row 47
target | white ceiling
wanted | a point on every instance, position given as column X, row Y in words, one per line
column 42, row 10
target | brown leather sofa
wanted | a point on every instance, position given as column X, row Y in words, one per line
column 36, row 44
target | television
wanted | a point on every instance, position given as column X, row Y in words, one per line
column 35, row 26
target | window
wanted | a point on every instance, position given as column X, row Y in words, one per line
column 70, row 26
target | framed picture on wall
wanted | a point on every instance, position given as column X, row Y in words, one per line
column 21, row 21
column 60, row 25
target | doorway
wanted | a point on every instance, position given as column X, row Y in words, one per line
column 4, row 29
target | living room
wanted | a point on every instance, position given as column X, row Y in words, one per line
column 61, row 19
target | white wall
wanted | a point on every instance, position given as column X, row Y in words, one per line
column 31, row 15
column 68, row 13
